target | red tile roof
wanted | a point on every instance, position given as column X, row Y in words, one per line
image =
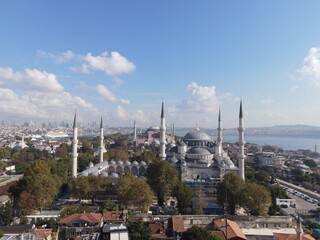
column 88, row 217
column 288, row 236
column 232, row 227
column 42, row 233
column 177, row 223
column 115, row 215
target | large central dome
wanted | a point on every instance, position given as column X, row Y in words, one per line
column 196, row 135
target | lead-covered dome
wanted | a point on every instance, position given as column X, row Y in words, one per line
column 196, row 135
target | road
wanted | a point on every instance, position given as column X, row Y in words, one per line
column 12, row 178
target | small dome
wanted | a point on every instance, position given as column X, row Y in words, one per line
column 114, row 175
column 94, row 173
column 135, row 163
column 104, row 174
column 153, row 128
column 199, row 151
column 143, row 163
column 120, row 162
column 196, row 135
column 181, row 143
column 128, row 163
column 91, row 164
column 112, row 162
column 173, row 160
column 84, row 174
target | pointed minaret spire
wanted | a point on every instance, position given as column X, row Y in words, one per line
column 240, row 112
column 134, row 131
column 241, row 155
column 162, row 113
column 219, row 137
column 173, row 141
column 102, row 149
column 162, row 153
column 75, row 120
column 75, row 148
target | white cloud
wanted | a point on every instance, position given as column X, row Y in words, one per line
column 59, row 57
column 121, row 114
column 125, row 101
column 311, row 67
column 267, row 101
column 112, row 65
column 130, row 116
column 203, row 99
column 32, row 79
column 117, row 83
column 106, row 93
column 42, row 105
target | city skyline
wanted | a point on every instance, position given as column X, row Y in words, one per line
column 121, row 59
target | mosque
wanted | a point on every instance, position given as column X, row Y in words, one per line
column 197, row 156
column 201, row 161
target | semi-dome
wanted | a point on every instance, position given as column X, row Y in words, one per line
column 104, row 174
column 154, row 128
column 199, row 151
column 196, row 135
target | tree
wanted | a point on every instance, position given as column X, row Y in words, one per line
column 6, row 216
column 138, row 231
column 5, row 152
column 255, row 199
column 26, row 202
column 41, row 183
column 310, row 163
column 98, row 185
column 134, row 192
column 62, row 151
column 69, row 210
column 183, row 194
column 79, row 187
column 162, row 177
column 118, row 154
column 229, row 189
column 196, row 233
column 83, row 160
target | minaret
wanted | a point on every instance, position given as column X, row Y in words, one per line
column 299, row 229
column 162, row 153
column 101, row 142
column 173, row 141
column 219, row 137
column 241, row 155
column 134, row 131
column 75, row 148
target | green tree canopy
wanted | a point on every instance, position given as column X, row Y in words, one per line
column 256, row 199
column 162, row 178
column 138, row 231
column 69, row 210
column 310, row 163
column 183, row 194
column 197, row 233
column 41, row 183
column 229, row 191
column 134, row 192
column 6, row 214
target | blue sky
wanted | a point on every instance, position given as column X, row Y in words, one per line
column 119, row 59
